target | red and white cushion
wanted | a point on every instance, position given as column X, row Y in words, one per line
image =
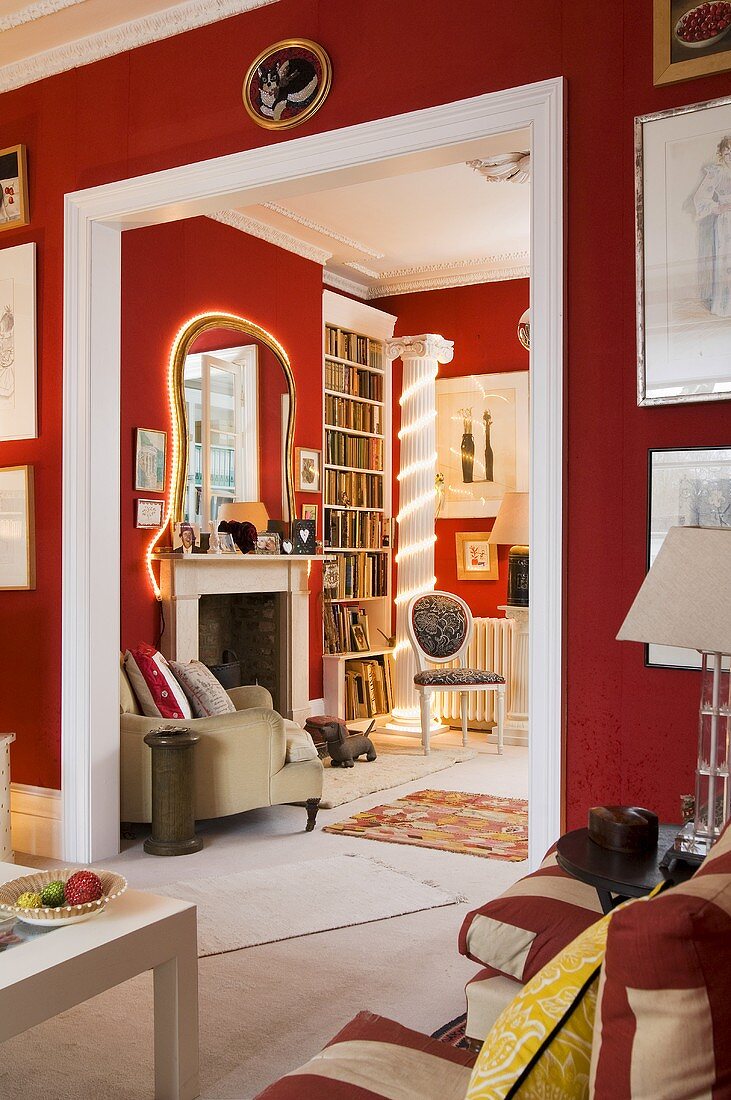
column 373, row 1058
column 158, row 692
column 663, row 1020
column 488, row 993
column 206, row 695
column 523, row 929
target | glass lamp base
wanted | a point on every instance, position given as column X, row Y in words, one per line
column 690, row 848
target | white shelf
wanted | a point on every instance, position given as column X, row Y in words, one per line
column 355, row 599
column 354, row 469
column 352, row 363
column 350, row 654
column 352, row 431
column 349, row 508
column 352, row 397
column 357, row 549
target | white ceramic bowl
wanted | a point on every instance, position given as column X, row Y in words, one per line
column 705, row 41
column 113, row 885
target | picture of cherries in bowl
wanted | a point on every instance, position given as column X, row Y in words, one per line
column 704, row 24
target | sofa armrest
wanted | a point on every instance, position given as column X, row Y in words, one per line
column 250, row 695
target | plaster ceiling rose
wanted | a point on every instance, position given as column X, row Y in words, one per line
column 503, row 168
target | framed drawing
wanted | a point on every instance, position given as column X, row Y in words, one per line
column 150, row 450
column 309, row 511
column 307, row 463
column 149, row 513
column 287, row 83
column 476, row 557
column 683, row 228
column 690, row 39
column 14, row 210
column 17, row 528
column 686, row 487
column 483, row 440
column 18, row 410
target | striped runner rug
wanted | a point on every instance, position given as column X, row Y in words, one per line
column 450, row 821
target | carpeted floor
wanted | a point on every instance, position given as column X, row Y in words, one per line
column 395, row 765
column 450, row 821
column 301, row 899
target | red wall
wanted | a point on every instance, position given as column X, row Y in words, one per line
column 482, row 321
column 630, row 731
column 170, row 273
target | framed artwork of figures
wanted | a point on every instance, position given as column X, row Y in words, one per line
column 686, row 488
column 690, row 39
column 18, row 410
column 483, row 441
column 683, row 212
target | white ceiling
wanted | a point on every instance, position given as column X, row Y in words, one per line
column 39, row 38
column 441, row 226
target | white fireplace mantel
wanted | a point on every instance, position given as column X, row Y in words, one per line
column 184, row 578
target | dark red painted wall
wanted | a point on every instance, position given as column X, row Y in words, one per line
column 630, row 730
column 170, row 273
column 482, row 321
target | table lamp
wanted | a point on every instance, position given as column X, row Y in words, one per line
column 245, row 511
column 511, row 528
column 685, row 600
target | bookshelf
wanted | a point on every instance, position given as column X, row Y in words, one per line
column 357, row 526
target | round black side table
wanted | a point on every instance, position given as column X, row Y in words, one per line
column 618, row 875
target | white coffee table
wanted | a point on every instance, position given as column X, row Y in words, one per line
column 138, row 932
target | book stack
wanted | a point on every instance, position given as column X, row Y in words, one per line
column 353, row 490
column 368, row 687
column 347, row 379
column 353, row 450
column 364, row 530
column 361, row 576
column 347, row 412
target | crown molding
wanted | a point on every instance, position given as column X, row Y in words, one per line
column 362, row 269
column 411, row 280
column 348, row 286
column 128, row 36
column 35, row 11
column 464, row 278
column 324, row 230
column 486, row 264
column 269, row 233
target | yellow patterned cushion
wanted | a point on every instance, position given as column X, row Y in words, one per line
column 554, row 1010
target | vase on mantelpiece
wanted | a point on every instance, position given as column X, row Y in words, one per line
column 489, row 456
column 467, row 449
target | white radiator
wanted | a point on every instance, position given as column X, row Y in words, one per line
column 490, row 649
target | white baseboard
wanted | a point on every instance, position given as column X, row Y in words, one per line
column 35, row 820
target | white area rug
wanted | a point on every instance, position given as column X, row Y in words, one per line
column 393, row 767
column 299, row 899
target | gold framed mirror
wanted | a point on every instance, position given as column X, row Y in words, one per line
column 229, row 406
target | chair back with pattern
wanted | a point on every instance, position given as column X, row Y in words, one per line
column 440, row 628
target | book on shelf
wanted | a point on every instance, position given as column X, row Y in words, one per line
column 354, row 381
column 368, row 687
column 351, row 345
column 360, row 576
column 353, row 490
column 353, row 450
column 354, row 530
column 348, row 412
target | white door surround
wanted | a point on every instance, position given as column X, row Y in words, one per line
column 94, row 221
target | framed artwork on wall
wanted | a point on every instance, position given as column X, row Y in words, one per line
column 688, row 487
column 683, row 238
column 476, row 557
column 690, row 39
column 287, row 83
column 150, row 451
column 149, row 513
column 18, row 408
column 307, row 463
column 17, row 528
column 483, row 441
column 14, row 209
column 309, row 511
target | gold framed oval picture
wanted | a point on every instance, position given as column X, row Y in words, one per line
column 287, row 83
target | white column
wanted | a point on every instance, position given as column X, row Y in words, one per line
column 516, row 720
column 421, row 356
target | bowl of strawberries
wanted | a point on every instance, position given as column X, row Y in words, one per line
column 60, row 897
column 704, row 25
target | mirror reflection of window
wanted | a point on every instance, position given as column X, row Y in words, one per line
column 221, row 397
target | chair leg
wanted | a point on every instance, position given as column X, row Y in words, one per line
column 313, row 805
column 425, row 709
column 463, row 709
column 500, row 720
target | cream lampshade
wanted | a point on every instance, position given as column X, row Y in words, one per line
column 245, row 511
column 512, row 528
column 685, row 600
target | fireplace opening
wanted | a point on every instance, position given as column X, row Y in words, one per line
column 247, row 623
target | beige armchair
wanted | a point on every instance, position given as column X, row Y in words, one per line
column 244, row 760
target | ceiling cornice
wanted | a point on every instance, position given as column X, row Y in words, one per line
column 266, row 232
column 35, row 11
column 484, row 263
column 323, row 230
column 458, row 278
column 128, row 36
column 348, row 286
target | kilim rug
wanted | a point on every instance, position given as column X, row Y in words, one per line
column 450, row 821
column 453, row 1033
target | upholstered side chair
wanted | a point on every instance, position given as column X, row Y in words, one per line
column 440, row 629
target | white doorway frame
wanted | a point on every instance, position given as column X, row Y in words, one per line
column 94, row 222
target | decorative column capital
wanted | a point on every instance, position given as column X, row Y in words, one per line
column 428, row 345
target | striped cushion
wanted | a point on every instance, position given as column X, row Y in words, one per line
column 527, row 926
column 663, row 1022
column 373, row 1058
column 488, row 993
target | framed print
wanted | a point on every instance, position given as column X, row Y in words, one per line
column 476, row 557
column 360, row 642
column 150, row 450
column 186, row 537
column 287, row 83
column 307, row 463
column 303, row 536
column 18, row 409
column 14, row 210
column 309, row 511
column 683, row 238
column 17, row 528
column 483, row 441
column 267, row 543
column 149, row 513
column 690, row 39
column 686, row 487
